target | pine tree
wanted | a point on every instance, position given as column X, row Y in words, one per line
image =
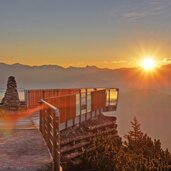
column 134, row 138
column 138, row 153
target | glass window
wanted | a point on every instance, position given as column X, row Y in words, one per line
column 113, row 96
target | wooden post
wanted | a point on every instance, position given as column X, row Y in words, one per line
column 73, row 121
column 80, row 108
column 42, row 116
column 48, row 128
column 54, row 154
column 117, row 98
column 43, row 94
column 56, row 136
column 27, row 98
column 66, row 124
column 86, row 104
column 109, row 98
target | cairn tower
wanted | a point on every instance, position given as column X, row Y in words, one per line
column 11, row 99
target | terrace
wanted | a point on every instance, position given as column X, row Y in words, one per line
column 68, row 119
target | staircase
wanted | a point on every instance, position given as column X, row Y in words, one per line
column 76, row 140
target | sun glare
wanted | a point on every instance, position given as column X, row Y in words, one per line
column 148, row 64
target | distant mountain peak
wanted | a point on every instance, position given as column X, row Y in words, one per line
column 92, row 67
column 50, row 66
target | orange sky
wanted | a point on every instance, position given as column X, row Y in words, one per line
column 108, row 34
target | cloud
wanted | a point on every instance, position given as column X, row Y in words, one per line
column 117, row 62
column 10, row 59
column 142, row 9
column 166, row 60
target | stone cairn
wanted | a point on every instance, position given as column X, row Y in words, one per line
column 11, row 99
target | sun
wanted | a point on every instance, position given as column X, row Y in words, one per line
column 148, row 64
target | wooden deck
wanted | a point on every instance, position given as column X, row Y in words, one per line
column 24, row 149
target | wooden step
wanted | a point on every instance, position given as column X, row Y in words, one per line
column 73, row 155
column 78, row 138
column 95, row 127
column 74, row 147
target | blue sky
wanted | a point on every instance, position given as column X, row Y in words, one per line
column 110, row 33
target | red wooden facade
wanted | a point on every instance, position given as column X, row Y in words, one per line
column 33, row 96
column 66, row 106
column 73, row 103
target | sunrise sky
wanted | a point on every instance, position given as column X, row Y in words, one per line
column 105, row 33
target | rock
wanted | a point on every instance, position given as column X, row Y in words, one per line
column 11, row 99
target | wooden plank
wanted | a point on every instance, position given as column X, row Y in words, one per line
column 98, row 99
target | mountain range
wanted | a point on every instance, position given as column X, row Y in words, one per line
column 53, row 76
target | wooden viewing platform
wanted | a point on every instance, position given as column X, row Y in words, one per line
column 66, row 122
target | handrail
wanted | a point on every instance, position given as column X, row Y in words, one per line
column 74, row 88
column 55, row 146
column 54, row 97
column 49, row 105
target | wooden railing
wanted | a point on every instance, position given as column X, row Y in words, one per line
column 49, row 127
column 33, row 96
column 82, row 106
column 57, row 113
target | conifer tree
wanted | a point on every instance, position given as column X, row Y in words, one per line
column 138, row 153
